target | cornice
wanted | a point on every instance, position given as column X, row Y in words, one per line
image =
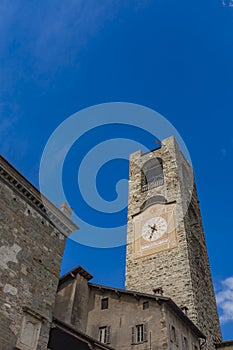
column 73, row 273
column 19, row 184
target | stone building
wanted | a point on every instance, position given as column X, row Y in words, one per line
column 166, row 246
column 225, row 345
column 124, row 319
column 31, row 249
column 64, row 336
column 169, row 301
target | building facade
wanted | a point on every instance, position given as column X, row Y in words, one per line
column 124, row 319
column 31, row 249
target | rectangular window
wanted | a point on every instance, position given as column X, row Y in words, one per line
column 30, row 331
column 185, row 343
column 139, row 333
column 104, row 334
column 172, row 334
column 145, row 305
column 104, row 303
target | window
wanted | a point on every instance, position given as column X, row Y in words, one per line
column 152, row 174
column 139, row 333
column 145, row 305
column 104, row 303
column 185, row 343
column 172, row 334
column 104, row 334
column 30, row 331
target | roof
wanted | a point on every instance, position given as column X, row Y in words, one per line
column 159, row 298
column 72, row 338
column 224, row 344
column 18, row 183
column 73, row 273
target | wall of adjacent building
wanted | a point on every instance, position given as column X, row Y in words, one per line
column 182, row 331
column 124, row 312
column 30, row 256
column 225, row 345
column 73, row 302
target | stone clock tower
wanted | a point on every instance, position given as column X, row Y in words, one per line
column 166, row 248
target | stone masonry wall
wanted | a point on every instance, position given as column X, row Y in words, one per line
column 30, row 257
column 175, row 270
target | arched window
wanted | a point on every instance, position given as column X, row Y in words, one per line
column 152, row 174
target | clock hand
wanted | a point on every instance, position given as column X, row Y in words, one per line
column 153, row 228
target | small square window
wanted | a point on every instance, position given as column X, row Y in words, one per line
column 104, row 303
column 145, row 305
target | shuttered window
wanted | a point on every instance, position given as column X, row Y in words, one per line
column 172, row 331
column 105, row 334
column 139, row 333
column 185, row 345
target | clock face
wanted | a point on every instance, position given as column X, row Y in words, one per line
column 154, row 228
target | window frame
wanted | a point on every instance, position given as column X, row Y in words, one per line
column 145, row 305
column 185, row 343
column 104, row 303
column 104, row 334
column 152, row 174
column 139, row 333
column 173, row 335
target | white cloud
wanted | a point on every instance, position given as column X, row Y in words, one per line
column 227, row 3
column 228, row 283
column 225, row 300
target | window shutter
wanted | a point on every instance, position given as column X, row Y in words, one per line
column 108, row 334
column 145, row 336
column 133, row 335
column 170, row 332
column 182, row 342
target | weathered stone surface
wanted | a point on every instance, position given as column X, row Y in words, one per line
column 182, row 272
column 31, row 249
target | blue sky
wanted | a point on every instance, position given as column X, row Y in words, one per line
column 59, row 57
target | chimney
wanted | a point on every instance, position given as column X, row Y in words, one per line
column 65, row 209
column 158, row 290
column 184, row 309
